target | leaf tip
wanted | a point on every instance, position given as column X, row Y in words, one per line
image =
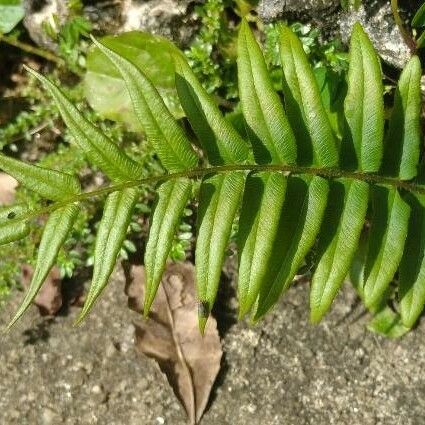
column 316, row 316
column 243, row 309
column 147, row 305
column 204, row 311
column 202, row 323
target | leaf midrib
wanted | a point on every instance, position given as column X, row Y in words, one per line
column 286, row 169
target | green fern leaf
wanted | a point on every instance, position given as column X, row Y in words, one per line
column 386, row 241
column 403, row 139
column 16, row 230
column 113, row 227
column 346, row 214
column 172, row 197
column 219, row 139
column 301, row 217
column 338, row 240
column 219, row 195
column 54, row 236
column 306, row 113
column 99, row 149
column 261, row 105
column 362, row 148
column 258, row 226
column 175, row 153
column 412, row 267
column 162, row 130
column 219, row 201
column 49, row 184
column 318, row 201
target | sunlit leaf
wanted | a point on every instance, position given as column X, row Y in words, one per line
column 105, row 88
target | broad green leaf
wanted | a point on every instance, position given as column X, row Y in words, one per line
column 300, row 220
column 339, row 237
column 389, row 225
column 172, row 197
column 258, row 225
column 49, row 184
column 13, row 231
column 412, row 266
column 105, row 88
column 117, row 213
column 387, row 323
column 221, row 142
column 55, row 233
column 403, row 138
column 100, row 150
column 162, row 130
column 362, row 147
column 261, row 105
column 419, row 18
column 219, row 200
column 304, row 107
column 11, row 13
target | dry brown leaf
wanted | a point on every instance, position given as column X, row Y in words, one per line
column 49, row 298
column 7, row 189
column 171, row 336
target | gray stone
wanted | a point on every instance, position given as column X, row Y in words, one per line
column 282, row 371
column 377, row 20
column 270, row 10
column 375, row 16
column 173, row 19
column 39, row 13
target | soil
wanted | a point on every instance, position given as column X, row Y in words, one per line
column 282, row 371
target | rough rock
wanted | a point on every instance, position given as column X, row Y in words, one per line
column 270, row 10
column 173, row 19
column 377, row 20
column 39, row 13
column 282, row 371
column 374, row 15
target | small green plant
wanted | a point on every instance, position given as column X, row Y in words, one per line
column 299, row 187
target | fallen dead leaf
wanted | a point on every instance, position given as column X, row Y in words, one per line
column 171, row 336
column 7, row 189
column 49, row 299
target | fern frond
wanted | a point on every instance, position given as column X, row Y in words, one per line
column 172, row 198
column 49, row 184
column 54, row 236
column 403, row 139
column 258, row 227
column 299, row 189
column 162, row 130
column 412, row 266
column 301, row 217
column 100, row 150
column 386, row 241
column 362, row 147
column 219, row 195
column 117, row 213
column 307, row 115
column 220, row 140
column 219, row 200
column 12, row 228
column 338, row 241
column 273, row 139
